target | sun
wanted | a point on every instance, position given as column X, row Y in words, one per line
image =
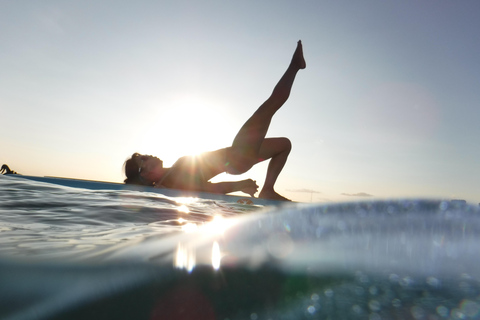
column 187, row 126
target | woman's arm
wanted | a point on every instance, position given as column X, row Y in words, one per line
column 247, row 186
column 180, row 176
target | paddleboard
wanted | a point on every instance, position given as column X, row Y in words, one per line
column 101, row 185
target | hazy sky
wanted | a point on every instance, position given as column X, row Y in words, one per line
column 388, row 107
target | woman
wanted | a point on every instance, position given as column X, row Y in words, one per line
column 248, row 148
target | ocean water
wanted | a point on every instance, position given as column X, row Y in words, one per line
column 79, row 254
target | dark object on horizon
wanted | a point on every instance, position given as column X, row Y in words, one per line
column 6, row 170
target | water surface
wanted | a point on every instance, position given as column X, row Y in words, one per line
column 76, row 254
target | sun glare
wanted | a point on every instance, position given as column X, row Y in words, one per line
column 188, row 126
column 216, row 255
column 218, row 225
column 184, row 257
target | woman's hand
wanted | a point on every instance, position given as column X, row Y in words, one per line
column 248, row 186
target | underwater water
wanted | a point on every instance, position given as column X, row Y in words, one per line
column 74, row 254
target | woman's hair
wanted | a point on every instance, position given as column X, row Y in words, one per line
column 132, row 172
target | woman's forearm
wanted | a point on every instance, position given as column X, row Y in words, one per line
column 247, row 186
column 222, row 187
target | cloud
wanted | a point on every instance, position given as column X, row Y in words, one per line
column 359, row 194
column 303, row 190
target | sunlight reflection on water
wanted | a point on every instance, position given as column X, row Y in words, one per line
column 403, row 259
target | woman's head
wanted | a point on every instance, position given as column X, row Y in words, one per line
column 143, row 169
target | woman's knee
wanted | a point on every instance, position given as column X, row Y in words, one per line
column 288, row 144
column 282, row 145
column 272, row 147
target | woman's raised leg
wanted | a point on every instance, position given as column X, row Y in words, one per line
column 250, row 146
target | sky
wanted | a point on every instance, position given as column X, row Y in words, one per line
column 387, row 108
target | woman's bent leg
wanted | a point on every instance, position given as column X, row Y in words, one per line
column 278, row 150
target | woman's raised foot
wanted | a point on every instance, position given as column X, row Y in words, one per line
column 298, row 60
